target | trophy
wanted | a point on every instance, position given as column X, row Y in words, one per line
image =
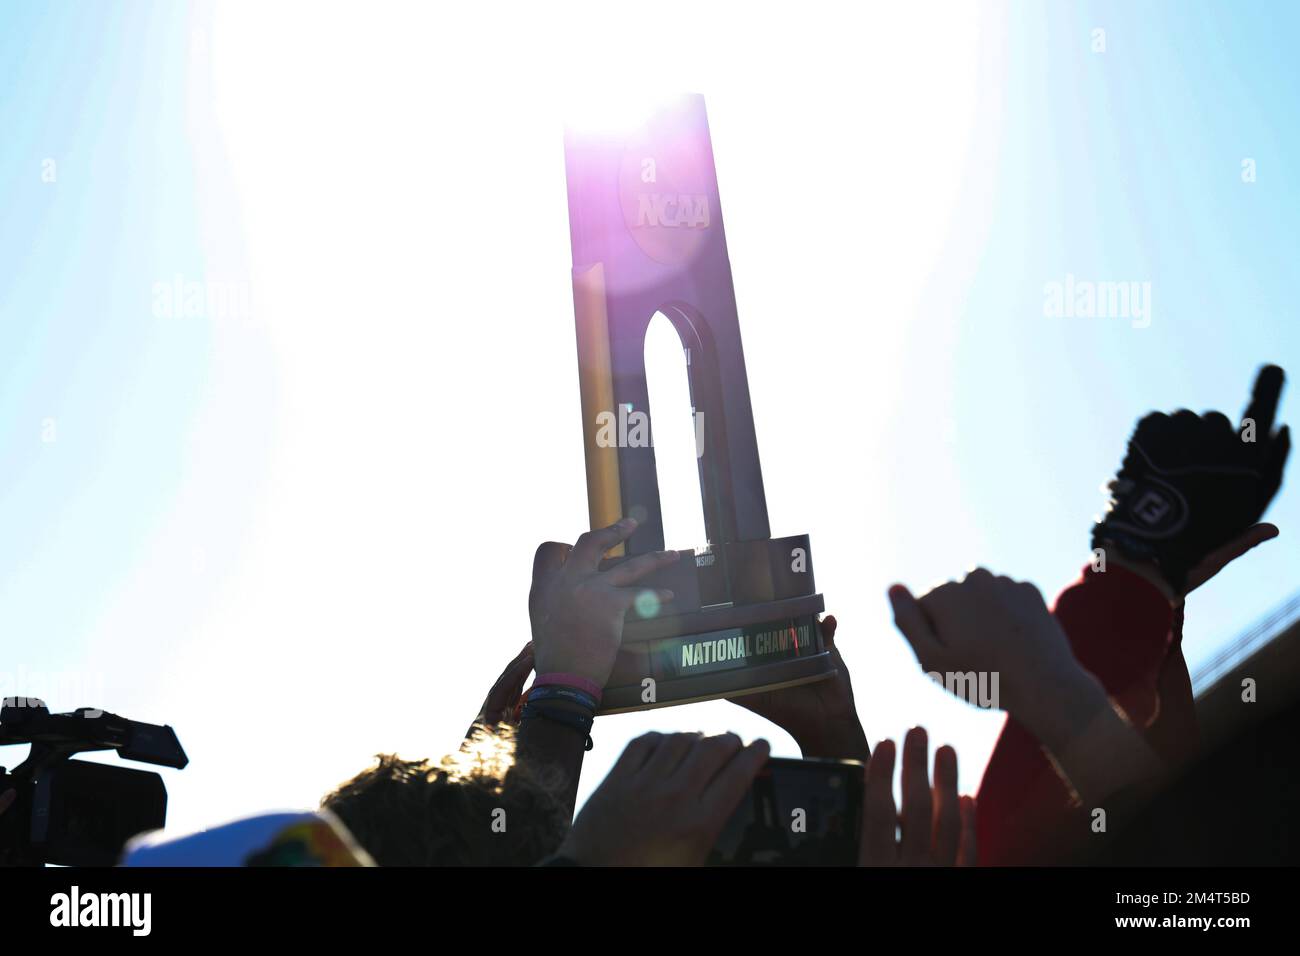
column 647, row 237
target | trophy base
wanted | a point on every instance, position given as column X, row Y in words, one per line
column 718, row 652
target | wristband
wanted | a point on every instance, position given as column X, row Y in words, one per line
column 571, row 694
column 570, row 680
column 579, row 722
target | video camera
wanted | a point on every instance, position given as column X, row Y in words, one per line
column 72, row 812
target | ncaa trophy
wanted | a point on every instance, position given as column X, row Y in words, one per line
column 647, row 238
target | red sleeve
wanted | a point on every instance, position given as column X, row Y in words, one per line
column 1120, row 628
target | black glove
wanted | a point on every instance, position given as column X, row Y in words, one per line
column 1191, row 483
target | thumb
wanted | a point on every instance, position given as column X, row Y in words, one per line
column 911, row 620
column 828, row 625
column 1221, row 557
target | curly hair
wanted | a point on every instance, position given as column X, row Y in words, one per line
column 476, row 807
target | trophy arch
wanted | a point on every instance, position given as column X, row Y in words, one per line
column 713, row 470
column 677, row 426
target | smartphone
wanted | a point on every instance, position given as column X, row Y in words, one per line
column 798, row 813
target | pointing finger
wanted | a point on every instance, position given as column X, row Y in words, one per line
column 1263, row 400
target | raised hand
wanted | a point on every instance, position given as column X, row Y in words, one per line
column 1192, row 486
column 577, row 610
column 938, row 827
column 502, row 702
column 820, row 716
column 995, row 625
column 665, row 802
column 987, row 625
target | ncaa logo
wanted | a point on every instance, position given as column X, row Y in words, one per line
column 667, row 191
